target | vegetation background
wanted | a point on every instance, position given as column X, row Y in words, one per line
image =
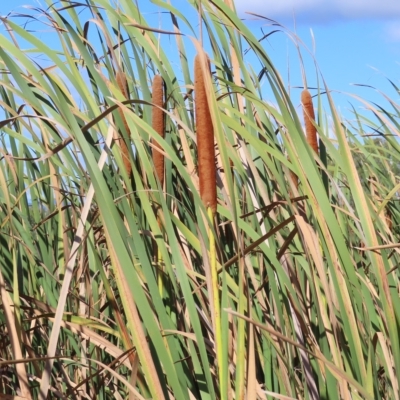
column 271, row 273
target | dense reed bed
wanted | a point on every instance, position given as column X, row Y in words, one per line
column 261, row 288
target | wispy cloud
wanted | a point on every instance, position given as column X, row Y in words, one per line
column 322, row 11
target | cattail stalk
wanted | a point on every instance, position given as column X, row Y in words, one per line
column 123, row 87
column 208, row 194
column 309, row 120
column 205, row 139
column 158, row 123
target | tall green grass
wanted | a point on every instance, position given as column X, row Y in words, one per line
column 307, row 273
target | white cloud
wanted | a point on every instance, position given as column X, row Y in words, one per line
column 322, row 11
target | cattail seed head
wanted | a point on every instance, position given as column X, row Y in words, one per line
column 205, row 137
column 120, row 77
column 158, row 123
column 309, row 117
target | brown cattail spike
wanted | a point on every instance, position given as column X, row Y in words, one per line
column 158, row 123
column 309, row 119
column 123, row 87
column 205, row 137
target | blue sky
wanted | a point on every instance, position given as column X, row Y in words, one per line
column 356, row 41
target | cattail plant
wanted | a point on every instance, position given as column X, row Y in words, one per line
column 205, row 139
column 158, row 123
column 123, row 87
column 309, row 118
column 208, row 192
